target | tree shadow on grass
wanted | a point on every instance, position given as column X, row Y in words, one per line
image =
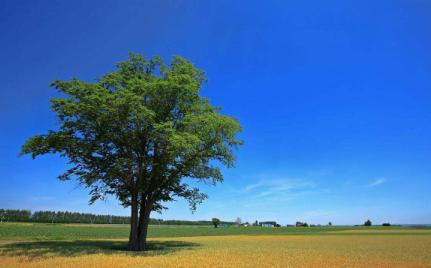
column 41, row 249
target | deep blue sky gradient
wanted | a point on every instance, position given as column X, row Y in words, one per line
column 334, row 98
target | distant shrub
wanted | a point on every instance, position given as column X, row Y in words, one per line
column 386, row 224
column 368, row 223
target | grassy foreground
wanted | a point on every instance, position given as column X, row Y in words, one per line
column 55, row 245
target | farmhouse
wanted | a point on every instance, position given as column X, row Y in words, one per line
column 301, row 224
column 268, row 224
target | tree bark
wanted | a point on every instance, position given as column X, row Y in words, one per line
column 139, row 224
column 144, row 220
column 134, row 221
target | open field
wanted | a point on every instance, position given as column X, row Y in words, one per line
column 55, row 245
column 40, row 231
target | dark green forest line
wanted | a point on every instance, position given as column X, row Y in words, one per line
column 23, row 215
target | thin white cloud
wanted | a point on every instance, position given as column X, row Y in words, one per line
column 252, row 186
column 276, row 188
column 376, row 182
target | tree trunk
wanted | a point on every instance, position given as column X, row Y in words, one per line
column 144, row 219
column 134, row 235
column 139, row 225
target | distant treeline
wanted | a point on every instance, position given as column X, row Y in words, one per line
column 13, row 215
column 19, row 215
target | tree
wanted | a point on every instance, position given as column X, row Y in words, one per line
column 140, row 133
column 367, row 223
column 2, row 215
column 238, row 221
column 216, row 222
column 329, row 223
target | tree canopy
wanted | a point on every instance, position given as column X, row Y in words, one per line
column 215, row 222
column 137, row 132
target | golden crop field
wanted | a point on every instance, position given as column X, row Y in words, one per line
column 231, row 251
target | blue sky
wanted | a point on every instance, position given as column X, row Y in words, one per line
column 334, row 98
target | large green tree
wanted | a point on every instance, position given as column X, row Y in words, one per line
column 140, row 133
